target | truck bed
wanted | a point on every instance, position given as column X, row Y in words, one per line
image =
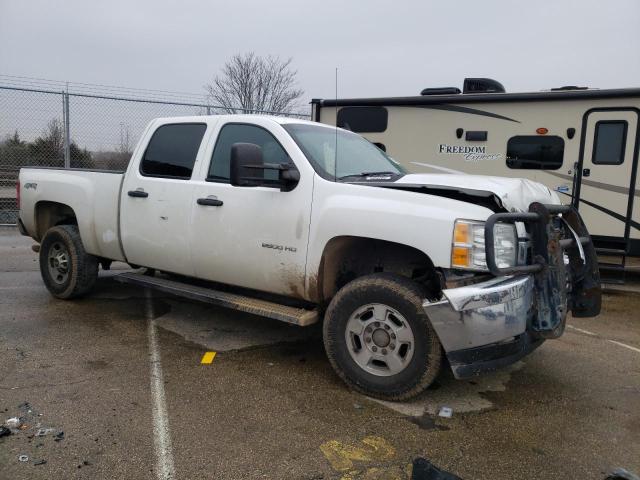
column 92, row 194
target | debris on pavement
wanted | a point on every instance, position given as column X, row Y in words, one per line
column 23, row 458
column 427, row 422
column 13, row 422
column 4, row 431
column 58, row 436
column 423, row 469
column 40, row 462
column 43, row 432
column 445, row 412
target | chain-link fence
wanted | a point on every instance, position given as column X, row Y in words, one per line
column 50, row 128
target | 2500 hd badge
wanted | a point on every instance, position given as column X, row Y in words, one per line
column 279, row 247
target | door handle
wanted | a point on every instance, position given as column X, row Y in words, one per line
column 210, row 202
column 137, row 193
column 586, row 172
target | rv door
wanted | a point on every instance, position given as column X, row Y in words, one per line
column 606, row 176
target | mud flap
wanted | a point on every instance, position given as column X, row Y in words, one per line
column 586, row 294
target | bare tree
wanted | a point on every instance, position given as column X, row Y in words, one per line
column 255, row 83
column 53, row 136
column 48, row 149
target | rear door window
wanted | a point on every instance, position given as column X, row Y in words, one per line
column 172, row 150
column 535, row 152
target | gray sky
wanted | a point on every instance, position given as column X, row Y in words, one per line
column 382, row 48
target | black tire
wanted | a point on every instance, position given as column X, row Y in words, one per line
column 404, row 296
column 81, row 270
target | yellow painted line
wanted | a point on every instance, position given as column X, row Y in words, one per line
column 207, row 358
column 342, row 456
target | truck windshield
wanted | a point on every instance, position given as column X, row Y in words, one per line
column 356, row 157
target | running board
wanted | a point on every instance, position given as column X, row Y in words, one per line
column 243, row 303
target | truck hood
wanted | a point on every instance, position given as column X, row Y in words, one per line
column 510, row 194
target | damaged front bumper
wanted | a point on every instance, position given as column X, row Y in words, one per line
column 484, row 326
column 491, row 324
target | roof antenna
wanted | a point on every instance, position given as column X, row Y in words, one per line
column 335, row 159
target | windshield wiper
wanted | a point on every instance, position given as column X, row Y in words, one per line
column 367, row 174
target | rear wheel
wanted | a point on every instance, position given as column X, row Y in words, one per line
column 67, row 270
column 378, row 338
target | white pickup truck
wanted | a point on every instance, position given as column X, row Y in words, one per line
column 303, row 222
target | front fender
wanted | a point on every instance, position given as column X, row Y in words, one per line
column 424, row 222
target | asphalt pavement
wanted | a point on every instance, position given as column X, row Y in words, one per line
column 119, row 373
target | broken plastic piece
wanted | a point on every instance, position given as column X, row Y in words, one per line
column 446, row 412
column 23, row 458
column 40, row 462
column 58, row 436
column 4, row 431
column 13, row 422
column 44, row 432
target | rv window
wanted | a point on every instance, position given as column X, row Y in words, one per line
column 535, row 152
column 363, row 119
column 609, row 142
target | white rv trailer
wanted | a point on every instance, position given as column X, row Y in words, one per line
column 582, row 143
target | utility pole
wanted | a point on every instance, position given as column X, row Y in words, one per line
column 67, row 131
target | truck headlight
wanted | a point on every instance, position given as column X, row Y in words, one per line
column 469, row 251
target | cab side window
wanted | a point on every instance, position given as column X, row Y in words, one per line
column 172, row 150
column 232, row 133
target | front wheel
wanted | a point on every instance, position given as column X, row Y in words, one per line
column 378, row 338
column 67, row 270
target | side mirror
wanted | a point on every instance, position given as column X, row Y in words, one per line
column 247, row 169
column 247, row 165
